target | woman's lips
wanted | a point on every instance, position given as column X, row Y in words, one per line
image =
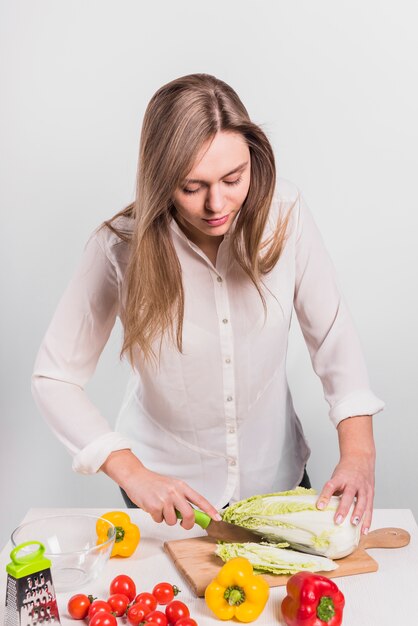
column 217, row 221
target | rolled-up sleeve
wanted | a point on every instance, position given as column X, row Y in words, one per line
column 327, row 326
column 68, row 357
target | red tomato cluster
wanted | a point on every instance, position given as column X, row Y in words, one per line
column 139, row 609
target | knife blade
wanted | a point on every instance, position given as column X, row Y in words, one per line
column 223, row 531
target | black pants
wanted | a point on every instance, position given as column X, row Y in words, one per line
column 305, row 482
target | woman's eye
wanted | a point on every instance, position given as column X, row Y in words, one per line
column 190, row 190
column 233, row 182
column 227, row 182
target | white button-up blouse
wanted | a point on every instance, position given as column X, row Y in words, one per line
column 219, row 415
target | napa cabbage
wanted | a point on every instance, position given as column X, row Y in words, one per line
column 292, row 517
column 274, row 558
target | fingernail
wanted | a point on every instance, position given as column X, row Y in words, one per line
column 320, row 505
column 365, row 531
column 356, row 521
column 339, row 519
column 217, row 518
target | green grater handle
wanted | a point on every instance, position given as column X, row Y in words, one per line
column 23, row 560
column 29, row 563
column 202, row 519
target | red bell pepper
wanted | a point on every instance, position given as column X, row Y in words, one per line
column 312, row 600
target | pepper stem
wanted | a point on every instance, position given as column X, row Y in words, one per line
column 234, row 595
column 120, row 533
column 325, row 610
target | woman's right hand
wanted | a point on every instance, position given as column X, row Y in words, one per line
column 158, row 495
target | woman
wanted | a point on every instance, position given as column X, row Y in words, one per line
column 204, row 270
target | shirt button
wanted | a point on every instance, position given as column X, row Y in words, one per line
column 225, row 321
column 219, row 279
column 227, row 360
column 229, row 399
column 232, row 430
column 232, row 462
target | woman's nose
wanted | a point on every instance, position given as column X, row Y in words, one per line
column 215, row 200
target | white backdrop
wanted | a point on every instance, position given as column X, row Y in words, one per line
column 334, row 85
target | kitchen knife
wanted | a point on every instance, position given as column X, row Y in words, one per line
column 223, row 531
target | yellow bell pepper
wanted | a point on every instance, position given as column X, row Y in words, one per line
column 237, row 592
column 127, row 533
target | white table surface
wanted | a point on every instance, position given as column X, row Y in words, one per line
column 382, row 598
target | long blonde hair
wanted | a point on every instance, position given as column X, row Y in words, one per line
column 180, row 117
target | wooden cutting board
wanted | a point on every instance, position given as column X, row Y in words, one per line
column 197, row 562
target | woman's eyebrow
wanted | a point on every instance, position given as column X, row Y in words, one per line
column 197, row 180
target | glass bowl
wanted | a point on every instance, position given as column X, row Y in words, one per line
column 70, row 543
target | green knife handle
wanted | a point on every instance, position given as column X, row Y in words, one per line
column 200, row 518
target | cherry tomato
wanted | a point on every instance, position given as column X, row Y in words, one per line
column 118, row 602
column 78, row 606
column 98, row 606
column 123, row 584
column 186, row 621
column 165, row 592
column 148, row 599
column 158, row 617
column 136, row 614
column 103, row 619
column 176, row 610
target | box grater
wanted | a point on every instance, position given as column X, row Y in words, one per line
column 30, row 594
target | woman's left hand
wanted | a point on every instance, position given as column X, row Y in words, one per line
column 353, row 477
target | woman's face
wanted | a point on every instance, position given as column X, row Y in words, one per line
column 214, row 190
